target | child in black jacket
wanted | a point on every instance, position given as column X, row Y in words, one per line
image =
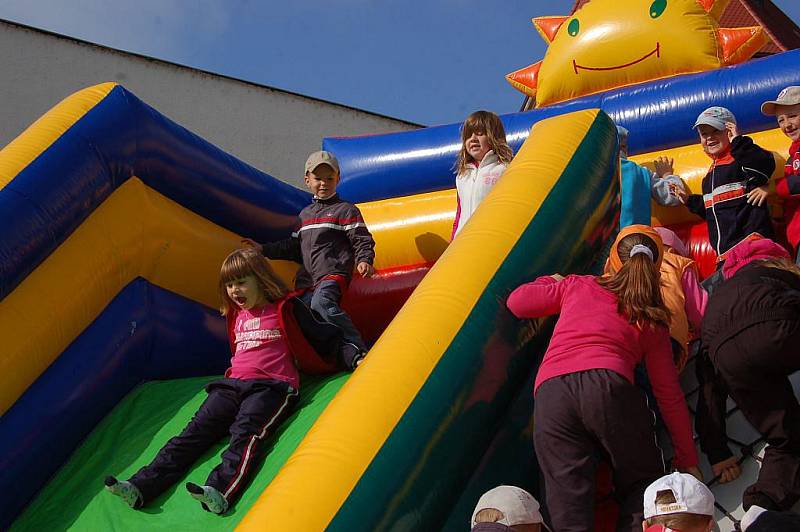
column 751, row 333
column 735, row 188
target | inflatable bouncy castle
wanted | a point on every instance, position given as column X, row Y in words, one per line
column 116, row 219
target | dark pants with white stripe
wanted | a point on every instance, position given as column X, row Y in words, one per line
column 755, row 364
column 247, row 410
column 585, row 416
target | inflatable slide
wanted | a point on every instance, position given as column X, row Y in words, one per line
column 116, row 222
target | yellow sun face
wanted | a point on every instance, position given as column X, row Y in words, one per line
column 614, row 43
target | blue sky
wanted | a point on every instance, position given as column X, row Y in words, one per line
column 427, row 61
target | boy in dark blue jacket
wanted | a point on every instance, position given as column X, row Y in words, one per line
column 735, row 189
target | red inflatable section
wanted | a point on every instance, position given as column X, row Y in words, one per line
column 373, row 303
column 695, row 237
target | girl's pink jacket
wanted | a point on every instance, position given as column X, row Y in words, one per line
column 591, row 334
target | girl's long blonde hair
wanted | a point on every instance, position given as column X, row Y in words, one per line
column 490, row 123
column 637, row 283
column 244, row 262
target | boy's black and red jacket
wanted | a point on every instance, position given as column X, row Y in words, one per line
column 723, row 203
column 331, row 238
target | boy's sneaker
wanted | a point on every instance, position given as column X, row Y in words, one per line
column 352, row 355
column 210, row 498
column 125, row 491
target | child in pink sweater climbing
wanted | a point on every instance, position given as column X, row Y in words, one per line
column 586, row 403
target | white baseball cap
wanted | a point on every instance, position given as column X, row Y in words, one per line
column 715, row 117
column 788, row 96
column 517, row 506
column 691, row 496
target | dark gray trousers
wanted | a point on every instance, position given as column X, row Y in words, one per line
column 580, row 418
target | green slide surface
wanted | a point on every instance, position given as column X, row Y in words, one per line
column 130, row 437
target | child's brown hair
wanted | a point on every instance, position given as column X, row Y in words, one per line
column 677, row 521
column 637, row 282
column 244, row 262
column 489, row 123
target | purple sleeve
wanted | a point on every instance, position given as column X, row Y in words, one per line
column 540, row 298
column 669, row 396
column 696, row 298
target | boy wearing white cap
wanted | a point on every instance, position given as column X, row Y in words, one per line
column 786, row 109
column 678, row 502
column 733, row 199
column 507, row 509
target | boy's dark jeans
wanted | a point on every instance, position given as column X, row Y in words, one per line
column 247, row 410
column 324, row 300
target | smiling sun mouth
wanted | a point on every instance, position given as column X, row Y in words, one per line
column 656, row 52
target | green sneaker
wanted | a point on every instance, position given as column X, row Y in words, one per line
column 211, row 499
column 125, row 491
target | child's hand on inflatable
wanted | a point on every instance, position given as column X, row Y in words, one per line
column 663, row 166
column 365, row 269
column 727, row 470
column 677, row 188
column 558, row 277
column 250, row 243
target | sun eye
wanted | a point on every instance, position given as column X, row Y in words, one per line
column 657, row 8
column 574, row 27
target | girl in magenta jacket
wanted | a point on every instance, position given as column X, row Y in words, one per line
column 587, row 405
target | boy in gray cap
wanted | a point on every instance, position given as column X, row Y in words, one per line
column 331, row 241
column 733, row 200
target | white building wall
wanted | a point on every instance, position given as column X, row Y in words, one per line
column 270, row 129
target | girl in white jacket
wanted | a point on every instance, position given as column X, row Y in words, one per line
column 483, row 158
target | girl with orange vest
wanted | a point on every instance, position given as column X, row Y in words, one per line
column 682, row 294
